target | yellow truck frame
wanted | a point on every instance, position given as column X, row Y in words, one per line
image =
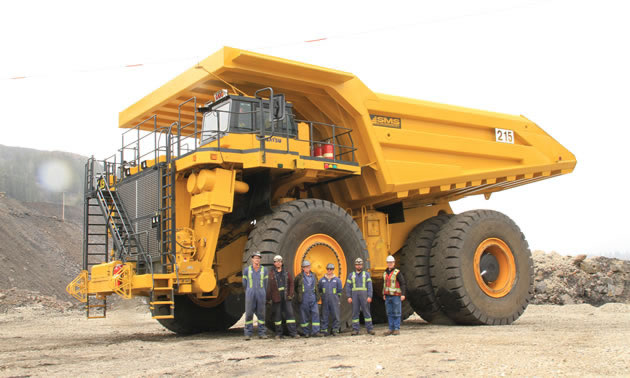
column 246, row 152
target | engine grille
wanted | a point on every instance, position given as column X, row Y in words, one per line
column 140, row 197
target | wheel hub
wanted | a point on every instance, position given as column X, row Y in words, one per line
column 320, row 250
column 489, row 267
column 494, row 267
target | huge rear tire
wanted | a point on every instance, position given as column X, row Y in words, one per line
column 194, row 316
column 314, row 230
column 415, row 262
column 482, row 269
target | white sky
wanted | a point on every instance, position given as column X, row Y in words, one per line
column 563, row 64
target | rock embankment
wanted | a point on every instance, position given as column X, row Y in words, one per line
column 570, row 280
column 13, row 298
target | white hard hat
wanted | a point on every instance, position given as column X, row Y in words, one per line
column 306, row 263
column 358, row 261
column 277, row 258
column 390, row 258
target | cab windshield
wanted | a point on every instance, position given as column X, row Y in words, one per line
column 217, row 119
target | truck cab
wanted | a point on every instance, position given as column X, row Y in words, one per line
column 233, row 114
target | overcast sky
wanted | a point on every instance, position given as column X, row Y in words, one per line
column 563, row 64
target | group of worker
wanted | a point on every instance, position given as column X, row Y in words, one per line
column 280, row 288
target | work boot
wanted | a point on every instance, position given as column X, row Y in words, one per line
column 396, row 332
column 354, row 333
column 318, row 334
column 278, row 337
column 388, row 332
column 334, row 333
column 371, row 332
column 263, row 336
column 247, row 338
column 296, row 336
column 307, row 335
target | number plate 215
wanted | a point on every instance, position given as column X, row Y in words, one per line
column 504, row 136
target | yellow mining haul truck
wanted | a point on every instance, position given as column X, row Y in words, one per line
column 246, row 152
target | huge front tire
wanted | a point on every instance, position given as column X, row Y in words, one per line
column 482, row 269
column 314, row 230
column 195, row 316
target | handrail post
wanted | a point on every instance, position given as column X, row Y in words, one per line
column 138, row 149
column 218, row 130
column 179, row 130
column 310, row 138
column 155, row 146
column 195, row 119
column 333, row 141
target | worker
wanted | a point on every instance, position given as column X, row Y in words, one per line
column 280, row 293
column 255, row 283
column 394, row 290
column 359, row 293
column 330, row 290
column 306, row 287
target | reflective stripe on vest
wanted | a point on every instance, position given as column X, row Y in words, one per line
column 354, row 282
column 390, row 284
column 262, row 276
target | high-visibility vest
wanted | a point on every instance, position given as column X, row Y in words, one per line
column 262, row 276
column 354, row 282
column 390, row 283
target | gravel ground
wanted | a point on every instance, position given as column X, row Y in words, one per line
column 546, row 341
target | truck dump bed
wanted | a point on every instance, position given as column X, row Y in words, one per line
column 409, row 150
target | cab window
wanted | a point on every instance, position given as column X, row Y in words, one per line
column 216, row 119
column 243, row 116
column 281, row 126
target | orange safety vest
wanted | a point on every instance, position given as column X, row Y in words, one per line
column 390, row 283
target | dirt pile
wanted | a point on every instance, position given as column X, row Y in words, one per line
column 569, row 280
column 13, row 298
column 39, row 251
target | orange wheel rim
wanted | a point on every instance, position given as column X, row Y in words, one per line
column 497, row 284
column 321, row 250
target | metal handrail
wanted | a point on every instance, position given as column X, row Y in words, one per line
column 179, row 145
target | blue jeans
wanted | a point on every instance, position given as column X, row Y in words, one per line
column 393, row 307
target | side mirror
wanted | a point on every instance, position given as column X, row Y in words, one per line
column 279, row 107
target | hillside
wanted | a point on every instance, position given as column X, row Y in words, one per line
column 37, row 250
column 41, row 176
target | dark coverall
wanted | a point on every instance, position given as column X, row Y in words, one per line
column 331, row 293
column 359, row 288
column 280, row 293
column 255, row 284
column 308, row 305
